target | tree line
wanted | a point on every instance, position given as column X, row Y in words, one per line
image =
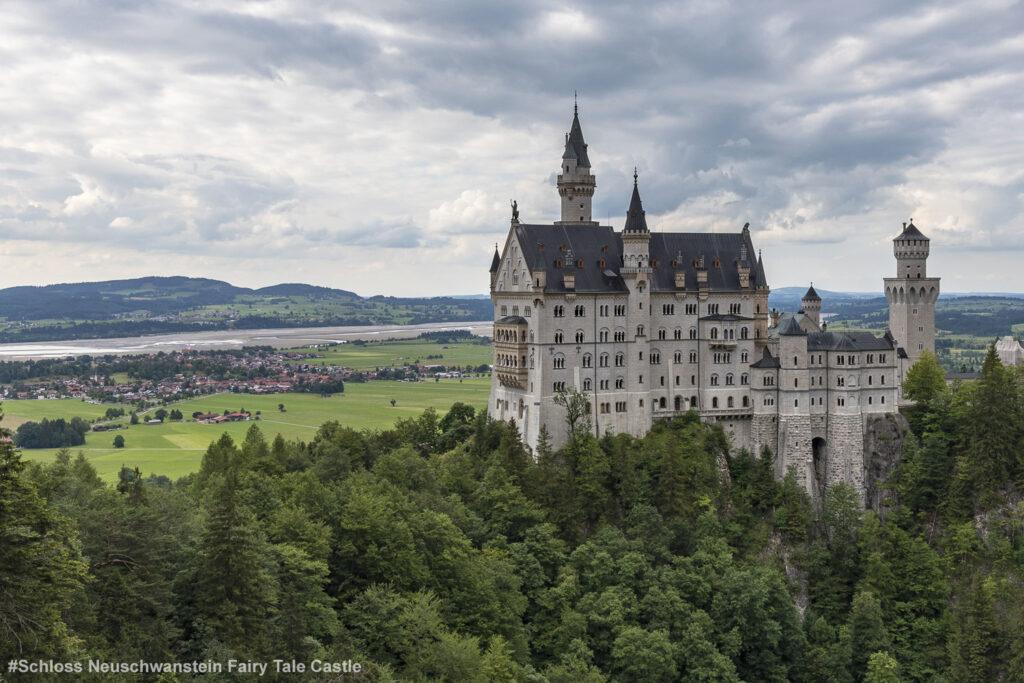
column 444, row 549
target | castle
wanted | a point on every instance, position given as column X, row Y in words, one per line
column 651, row 325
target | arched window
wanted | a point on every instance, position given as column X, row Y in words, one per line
column 639, row 330
column 744, row 379
column 746, row 401
column 587, row 385
column 588, row 360
column 729, row 402
column 559, row 336
column 579, row 336
column 714, row 380
column 714, row 333
column 603, row 360
column 714, row 402
column 744, row 333
column 729, row 378
column 620, row 359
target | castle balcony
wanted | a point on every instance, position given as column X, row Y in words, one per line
column 514, row 378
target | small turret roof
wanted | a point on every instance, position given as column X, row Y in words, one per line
column 761, row 280
column 767, row 360
column 811, row 295
column 791, row 327
column 575, row 147
column 910, row 232
column 636, row 220
column 496, row 260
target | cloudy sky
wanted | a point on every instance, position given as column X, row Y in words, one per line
column 375, row 146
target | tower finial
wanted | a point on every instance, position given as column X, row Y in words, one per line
column 575, row 102
column 634, row 176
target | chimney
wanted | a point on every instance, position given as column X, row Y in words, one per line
column 775, row 317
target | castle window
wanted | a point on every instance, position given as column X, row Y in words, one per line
column 655, row 358
column 881, row 358
column 662, row 333
column 677, row 357
column 693, row 380
column 559, row 311
column 746, row 401
column 504, row 310
column 619, row 383
column 714, row 402
column 883, row 399
column 714, row 380
column 558, row 263
column 620, row 406
column 869, row 380
column 881, row 379
column 620, row 359
column 840, row 382
column 744, row 356
column 743, row 333
column 604, row 384
column 620, row 310
column 693, row 333
column 795, row 361
column 587, row 386
column 729, row 378
column 796, row 403
column 526, row 311
column 641, row 379
column 691, row 309
column 718, row 263
column 677, row 333
column 840, row 401
column 602, row 263
column 639, row 330
column 693, row 356
column 579, row 336
column 712, row 309
column 603, row 360
column 796, row 382
column 558, row 337
column 580, row 311
column 559, row 362
column 677, row 380
column 744, row 379
column 579, row 263
column 603, row 335
column 693, row 403
column 663, row 380
column 728, row 402
column 588, row 360
column 640, row 356
column 620, row 335
column 714, row 333
column 869, row 400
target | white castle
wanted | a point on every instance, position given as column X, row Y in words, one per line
column 651, row 325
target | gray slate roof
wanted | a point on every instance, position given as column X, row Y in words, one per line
column 495, row 261
column 848, row 341
column 595, row 242
column 910, row 232
column 636, row 220
column 811, row 295
column 767, row 361
column 575, row 147
column 512, row 320
column 790, row 327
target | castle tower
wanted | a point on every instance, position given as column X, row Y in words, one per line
column 811, row 304
column 912, row 295
column 575, row 182
column 636, row 273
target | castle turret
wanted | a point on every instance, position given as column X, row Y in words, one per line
column 912, row 295
column 575, row 181
column 811, row 304
column 495, row 262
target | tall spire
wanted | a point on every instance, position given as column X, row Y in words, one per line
column 575, row 181
column 636, row 220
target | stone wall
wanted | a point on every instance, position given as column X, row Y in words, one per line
column 883, row 450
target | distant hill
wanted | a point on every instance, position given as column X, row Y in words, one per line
column 154, row 305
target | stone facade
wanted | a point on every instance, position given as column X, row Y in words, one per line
column 651, row 325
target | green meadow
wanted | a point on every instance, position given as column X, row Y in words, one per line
column 398, row 353
column 175, row 449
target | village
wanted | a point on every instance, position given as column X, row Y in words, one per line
column 167, row 377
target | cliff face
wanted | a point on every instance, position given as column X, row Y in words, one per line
column 883, row 449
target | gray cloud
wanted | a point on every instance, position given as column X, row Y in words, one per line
column 205, row 135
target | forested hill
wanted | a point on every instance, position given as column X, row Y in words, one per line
column 178, row 304
column 442, row 549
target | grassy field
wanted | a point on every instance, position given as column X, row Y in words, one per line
column 398, row 353
column 176, row 449
column 17, row 412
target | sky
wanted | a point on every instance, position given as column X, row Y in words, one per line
column 376, row 146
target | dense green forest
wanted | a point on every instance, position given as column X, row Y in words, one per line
column 443, row 550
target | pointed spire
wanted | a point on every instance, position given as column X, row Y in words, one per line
column 762, row 281
column 496, row 260
column 811, row 295
column 636, row 220
column 575, row 146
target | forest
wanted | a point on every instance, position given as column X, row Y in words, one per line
column 442, row 549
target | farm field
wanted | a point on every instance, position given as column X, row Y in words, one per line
column 176, row 449
column 17, row 412
column 398, row 353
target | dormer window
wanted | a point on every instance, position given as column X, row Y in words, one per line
column 579, row 263
column 558, row 263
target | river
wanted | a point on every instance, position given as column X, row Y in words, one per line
column 229, row 339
